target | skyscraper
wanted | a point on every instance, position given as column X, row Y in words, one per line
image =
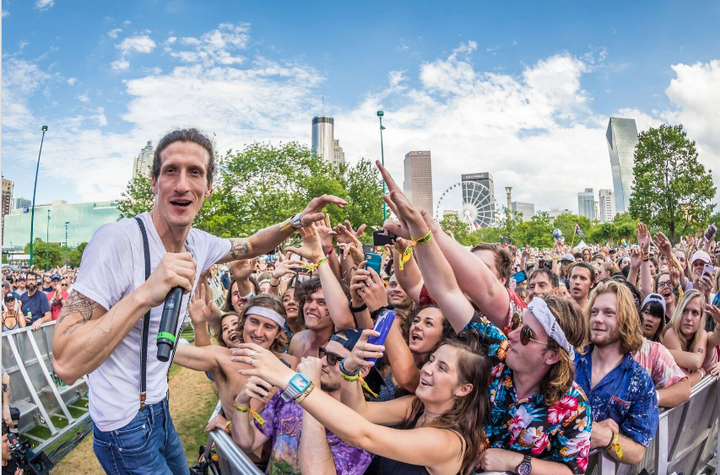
column 338, row 153
column 607, row 206
column 586, row 204
column 622, row 139
column 418, row 179
column 323, row 139
column 527, row 209
column 486, row 201
column 143, row 162
column 7, row 192
column 21, row 202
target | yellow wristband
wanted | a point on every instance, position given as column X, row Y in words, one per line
column 228, row 425
column 242, row 409
column 322, row 261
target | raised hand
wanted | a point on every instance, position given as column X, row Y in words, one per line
column 663, row 244
column 242, row 268
column 311, row 368
column 636, row 257
column 346, row 234
column 326, row 233
column 313, row 211
column 643, row 237
column 311, row 248
column 199, row 308
column 285, row 267
column 362, row 351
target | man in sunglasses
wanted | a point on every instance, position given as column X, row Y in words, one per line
column 622, row 394
column 318, row 450
column 57, row 296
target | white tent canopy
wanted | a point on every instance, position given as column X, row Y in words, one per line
column 581, row 245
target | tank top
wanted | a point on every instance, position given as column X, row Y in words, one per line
column 386, row 466
column 7, row 328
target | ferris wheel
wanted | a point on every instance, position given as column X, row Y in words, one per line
column 473, row 203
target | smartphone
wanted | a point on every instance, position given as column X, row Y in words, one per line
column 295, row 257
column 382, row 238
column 302, row 275
column 520, row 277
column 708, row 270
column 383, row 324
column 711, row 230
column 374, row 261
column 716, row 300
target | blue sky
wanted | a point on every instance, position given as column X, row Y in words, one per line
column 520, row 89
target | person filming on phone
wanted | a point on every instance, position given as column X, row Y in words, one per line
column 100, row 327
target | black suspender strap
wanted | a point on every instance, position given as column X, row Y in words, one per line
column 146, row 319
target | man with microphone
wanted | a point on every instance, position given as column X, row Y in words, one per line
column 100, row 329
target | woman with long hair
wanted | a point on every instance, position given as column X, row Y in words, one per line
column 685, row 336
column 441, row 426
column 664, row 286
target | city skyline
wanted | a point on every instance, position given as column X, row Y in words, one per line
column 474, row 85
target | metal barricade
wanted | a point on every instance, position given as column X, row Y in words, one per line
column 35, row 390
column 686, row 441
column 231, row 459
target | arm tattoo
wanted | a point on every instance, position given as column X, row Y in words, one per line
column 239, row 248
column 79, row 306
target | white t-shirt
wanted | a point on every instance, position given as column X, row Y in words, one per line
column 112, row 267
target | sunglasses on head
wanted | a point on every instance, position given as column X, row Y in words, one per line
column 526, row 334
column 332, row 358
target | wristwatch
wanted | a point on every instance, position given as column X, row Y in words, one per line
column 296, row 222
column 298, row 384
column 525, row 467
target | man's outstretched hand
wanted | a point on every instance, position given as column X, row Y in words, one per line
column 313, row 211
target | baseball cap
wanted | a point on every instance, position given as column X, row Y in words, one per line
column 21, row 277
column 567, row 258
column 9, row 296
column 654, row 298
column 701, row 255
column 55, row 277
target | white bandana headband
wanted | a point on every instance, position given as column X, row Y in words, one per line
column 267, row 313
column 542, row 313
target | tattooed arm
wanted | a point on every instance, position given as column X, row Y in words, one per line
column 268, row 239
column 86, row 333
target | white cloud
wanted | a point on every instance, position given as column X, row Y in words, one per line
column 215, row 47
column 44, row 4
column 71, row 81
column 83, row 98
column 139, row 44
column 5, row 13
column 535, row 130
column 114, row 32
column 120, row 65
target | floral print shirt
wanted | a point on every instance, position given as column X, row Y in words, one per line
column 559, row 433
column 626, row 395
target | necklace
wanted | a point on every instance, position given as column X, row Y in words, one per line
column 428, row 415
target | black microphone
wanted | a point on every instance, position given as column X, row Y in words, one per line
column 168, row 324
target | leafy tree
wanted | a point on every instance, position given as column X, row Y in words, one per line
column 539, row 233
column 137, row 197
column 513, row 227
column 673, row 192
column 75, row 255
column 265, row 184
column 566, row 223
column 451, row 223
column 41, row 250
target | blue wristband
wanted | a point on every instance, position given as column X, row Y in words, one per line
column 346, row 372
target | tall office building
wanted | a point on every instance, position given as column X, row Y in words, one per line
column 622, row 139
column 486, row 201
column 143, row 162
column 527, row 209
column 606, row 205
column 418, row 179
column 21, row 202
column 338, row 153
column 323, row 139
column 7, row 191
column 586, row 204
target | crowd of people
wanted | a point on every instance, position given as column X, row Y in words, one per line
column 581, row 349
column 498, row 359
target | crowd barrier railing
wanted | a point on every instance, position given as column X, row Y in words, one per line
column 34, row 389
column 231, row 460
column 686, row 441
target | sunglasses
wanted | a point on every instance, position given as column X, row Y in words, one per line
column 526, row 334
column 63, row 285
column 332, row 358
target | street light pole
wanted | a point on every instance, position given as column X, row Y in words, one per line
column 380, row 115
column 32, row 215
column 66, row 247
column 47, row 243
